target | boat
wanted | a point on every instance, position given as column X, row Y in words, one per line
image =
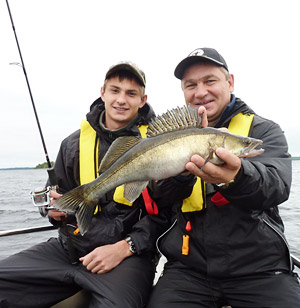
column 78, row 300
column 82, row 298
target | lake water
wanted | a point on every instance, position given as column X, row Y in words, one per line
column 17, row 210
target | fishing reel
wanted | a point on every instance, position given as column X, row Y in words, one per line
column 41, row 199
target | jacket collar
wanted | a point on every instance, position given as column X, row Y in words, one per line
column 97, row 111
column 235, row 106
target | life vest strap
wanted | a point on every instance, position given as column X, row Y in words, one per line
column 150, row 204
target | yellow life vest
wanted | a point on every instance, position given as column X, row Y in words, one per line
column 240, row 124
column 88, row 158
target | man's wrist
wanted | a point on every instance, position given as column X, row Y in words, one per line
column 131, row 244
column 225, row 185
column 229, row 183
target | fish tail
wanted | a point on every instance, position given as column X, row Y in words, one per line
column 76, row 201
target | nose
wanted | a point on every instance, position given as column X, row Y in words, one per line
column 200, row 90
column 121, row 99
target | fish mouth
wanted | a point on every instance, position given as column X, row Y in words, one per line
column 251, row 151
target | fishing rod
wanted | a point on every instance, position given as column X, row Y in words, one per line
column 41, row 197
column 29, row 89
column 27, row 230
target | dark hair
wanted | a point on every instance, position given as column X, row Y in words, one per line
column 124, row 74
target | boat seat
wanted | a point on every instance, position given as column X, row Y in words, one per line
column 81, row 300
column 78, row 300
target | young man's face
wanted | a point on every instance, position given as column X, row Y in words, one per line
column 122, row 101
column 207, row 85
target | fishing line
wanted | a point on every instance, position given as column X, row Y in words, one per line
column 28, row 86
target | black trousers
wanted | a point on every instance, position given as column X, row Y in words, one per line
column 181, row 287
column 42, row 276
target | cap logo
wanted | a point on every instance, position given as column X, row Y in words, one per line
column 197, row 52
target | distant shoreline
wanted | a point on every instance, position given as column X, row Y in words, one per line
column 25, row 168
column 18, row 168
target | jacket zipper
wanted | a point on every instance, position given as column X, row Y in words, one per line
column 163, row 235
column 284, row 240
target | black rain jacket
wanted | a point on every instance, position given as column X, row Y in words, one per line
column 245, row 236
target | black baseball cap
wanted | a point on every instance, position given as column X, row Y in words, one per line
column 199, row 55
column 130, row 67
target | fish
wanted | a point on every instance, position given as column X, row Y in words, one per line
column 172, row 138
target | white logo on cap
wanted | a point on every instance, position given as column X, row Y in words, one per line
column 197, row 52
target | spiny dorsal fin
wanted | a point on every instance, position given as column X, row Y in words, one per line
column 117, row 148
column 175, row 119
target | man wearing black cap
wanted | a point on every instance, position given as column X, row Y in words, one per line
column 113, row 260
column 227, row 246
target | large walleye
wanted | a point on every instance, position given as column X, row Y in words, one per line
column 172, row 139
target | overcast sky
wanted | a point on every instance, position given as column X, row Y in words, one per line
column 68, row 45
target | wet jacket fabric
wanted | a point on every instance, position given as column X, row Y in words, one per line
column 115, row 221
column 245, row 236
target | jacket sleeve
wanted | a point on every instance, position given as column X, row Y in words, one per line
column 66, row 164
column 265, row 180
column 66, row 167
column 167, row 194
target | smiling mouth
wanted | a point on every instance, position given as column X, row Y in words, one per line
column 202, row 103
column 121, row 109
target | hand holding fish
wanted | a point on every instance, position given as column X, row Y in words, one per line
column 212, row 173
column 104, row 258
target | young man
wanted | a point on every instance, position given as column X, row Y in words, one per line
column 229, row 247
column 113, row 260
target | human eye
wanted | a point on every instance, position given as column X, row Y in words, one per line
column 190, row 85
column 114, row 90
column 132, row 93
column 211, row 80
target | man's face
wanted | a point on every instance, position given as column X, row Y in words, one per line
column 207, row 85
column 122, row 101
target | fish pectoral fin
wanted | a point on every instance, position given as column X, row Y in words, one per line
column 209, row 156
column 117, row 149
column 84, row 217
column 134, row 189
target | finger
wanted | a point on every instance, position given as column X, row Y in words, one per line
column 231, row 160
column 191, row 167
column 223, row 129
column 96, row 268
column 197, row 160
column 54, row 194
column 195, row 165
column 194, row 169
column 85, row 260
column 91, row 264
column 202, row 112
column 92, row 267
